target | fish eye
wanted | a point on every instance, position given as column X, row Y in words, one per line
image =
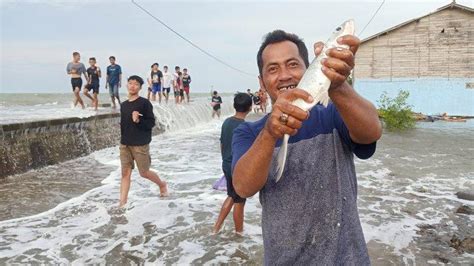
column 338, row 28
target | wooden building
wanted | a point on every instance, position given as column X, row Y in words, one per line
column 428, row 53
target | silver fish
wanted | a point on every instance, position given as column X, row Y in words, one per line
column 315, row 83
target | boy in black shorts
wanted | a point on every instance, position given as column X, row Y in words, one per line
column 242, row 105
column 76, row 69
column 93, row 85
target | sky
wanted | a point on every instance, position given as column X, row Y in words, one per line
column 38, row 37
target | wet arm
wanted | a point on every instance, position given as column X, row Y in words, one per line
column 359, row 115
column 251, row 170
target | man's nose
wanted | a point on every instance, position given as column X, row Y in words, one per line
column 284, row 74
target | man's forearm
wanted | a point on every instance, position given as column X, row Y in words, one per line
column 359, row 115
column 251, row 171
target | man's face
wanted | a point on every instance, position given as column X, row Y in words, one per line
column 282, row 68
column 76, row 58
column 92, row 63
column 112, row 61
column 177, row 70
column 133, row 87
column 165, row 69
column 155, row 67
column 185, row 72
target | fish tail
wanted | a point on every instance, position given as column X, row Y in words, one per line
column 281, row 157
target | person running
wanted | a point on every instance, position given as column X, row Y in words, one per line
column 113, row 80
column 156, row 77
column 93, row 85
column 136, row 123
column 175, row 84
column 76, row 69
column 242, row 106
column 167, row 81
column 186, row 82
column 216, row 102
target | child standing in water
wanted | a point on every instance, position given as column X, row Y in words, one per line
column 242, row 106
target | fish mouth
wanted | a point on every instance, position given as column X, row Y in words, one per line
column 286, row 87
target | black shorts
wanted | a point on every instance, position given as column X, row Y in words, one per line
column 230, row 188
column 76, row 83
column 181, row 92
column 216, row 107
column 94, row 87
column 167, row 90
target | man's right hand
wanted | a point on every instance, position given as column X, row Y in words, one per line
column 283, row 107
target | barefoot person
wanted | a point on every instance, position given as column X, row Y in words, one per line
column 176, row 83
column 76, row 69
column 113, row 80
column 186, row 82
column 310, row 216
column 242, row 106
column 93, row 85
column 216, row 102
column 167, row 82
column 136, row 122
column 156, row 77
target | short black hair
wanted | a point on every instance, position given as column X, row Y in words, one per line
column 165, row 67
column 136, row 78
column 185, row 69
column 154, row 64
column 277, row 36
column 215, row 93
column 242, row 102
column 92, row 58
column 176, row 67
column 75, row 53
column 112, row 57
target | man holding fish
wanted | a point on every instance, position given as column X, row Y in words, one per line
column 310, row 215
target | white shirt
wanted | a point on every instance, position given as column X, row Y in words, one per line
column 167, row 79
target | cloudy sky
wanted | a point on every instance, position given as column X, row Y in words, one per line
column 38, row 37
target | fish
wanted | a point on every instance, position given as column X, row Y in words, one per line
column 315, row 83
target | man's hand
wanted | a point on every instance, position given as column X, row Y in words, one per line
column 136, row 116
column 285, row 117
column 340, row 62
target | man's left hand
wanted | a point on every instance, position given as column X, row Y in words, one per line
column 340, row 62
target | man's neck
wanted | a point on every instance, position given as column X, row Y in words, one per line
column 133, row 97
column 240, row 115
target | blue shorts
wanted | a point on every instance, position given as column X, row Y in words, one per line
column 156, row 88
column 113, row 90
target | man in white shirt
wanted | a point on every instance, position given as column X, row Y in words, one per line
column 167, row 80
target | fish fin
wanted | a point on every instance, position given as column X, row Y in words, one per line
column 322, row 98
column 281, row 157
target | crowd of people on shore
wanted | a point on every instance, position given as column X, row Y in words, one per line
column 159, row 83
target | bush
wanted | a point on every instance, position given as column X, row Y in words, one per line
column 395, row 112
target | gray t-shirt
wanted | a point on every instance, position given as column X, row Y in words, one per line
column 310, row 216
column 75, row 68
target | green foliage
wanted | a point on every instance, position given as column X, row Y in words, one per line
column 395, row 112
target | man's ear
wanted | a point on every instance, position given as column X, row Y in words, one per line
column 262, row 84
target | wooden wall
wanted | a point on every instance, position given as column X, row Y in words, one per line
column 419, row 49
